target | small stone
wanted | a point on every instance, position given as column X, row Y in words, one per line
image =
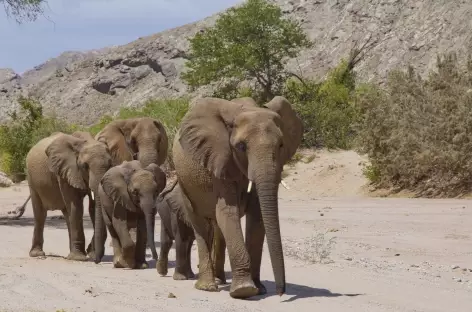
column 348, row 258
column 171, row 295
column 397, row 254
column 457, row 279
column 453, row 267
column 414, row 266
column 321, row 214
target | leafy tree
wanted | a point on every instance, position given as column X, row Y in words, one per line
column 250, row 42
column 23, row 9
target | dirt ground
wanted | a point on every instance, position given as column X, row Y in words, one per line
column 344, row 252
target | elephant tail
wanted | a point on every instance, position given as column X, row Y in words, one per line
column 18, row 212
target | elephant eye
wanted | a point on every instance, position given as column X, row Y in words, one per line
column 281, row 145
column 241, row 146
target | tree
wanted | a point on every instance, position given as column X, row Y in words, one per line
column 251, row 42
column 23, row 9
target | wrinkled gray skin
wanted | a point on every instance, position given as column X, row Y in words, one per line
column 61, row 170
column 221, row 146
column 128, row 195
column 175, row 226
column 144, row 139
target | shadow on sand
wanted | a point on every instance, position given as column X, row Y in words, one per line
column 295, row 291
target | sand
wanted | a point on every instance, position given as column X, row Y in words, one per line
column 344, row 252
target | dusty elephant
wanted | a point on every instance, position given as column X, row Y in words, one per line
column 175, row 226
column 144, row 139
column 61, row 170
column 128, row 194
column 228, row 158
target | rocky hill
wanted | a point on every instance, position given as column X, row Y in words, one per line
column 85, row 85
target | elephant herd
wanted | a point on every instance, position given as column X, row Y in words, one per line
column 228, row 157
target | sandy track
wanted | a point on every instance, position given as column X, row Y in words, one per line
column 389, row 255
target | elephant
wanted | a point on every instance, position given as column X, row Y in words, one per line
column 142, row 138
column 128, row 194
column 61, row 170
column 175, row 226
column 229, row 157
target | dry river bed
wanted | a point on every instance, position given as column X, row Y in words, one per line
column 342, row 254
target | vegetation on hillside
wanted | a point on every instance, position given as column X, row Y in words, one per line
column 27, row 126
column 250, row 42
column 417, row 132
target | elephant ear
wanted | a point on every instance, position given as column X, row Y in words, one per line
column 114, row 138
column 176, row 200
column 115, row 184
column 292, row 125
column 163, row 143
column 159, row 175
column 62, row 156
column 205, row 133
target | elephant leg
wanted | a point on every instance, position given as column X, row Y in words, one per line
column 39, row 219
column 218, row 255
column 203, row 235
column 74, row 206
column 228, row 218
column 188, row 256
column 255, row 233
column 166, row 244
column 67, row 218
column 118, row 261
column 181, row 270
column 127, row 242
column 141, row 240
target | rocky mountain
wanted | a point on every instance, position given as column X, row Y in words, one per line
column 83, row 86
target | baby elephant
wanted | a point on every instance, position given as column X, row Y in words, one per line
column 128, row 195
column 175, row 226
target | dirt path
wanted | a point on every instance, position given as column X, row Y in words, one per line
column 389, row 255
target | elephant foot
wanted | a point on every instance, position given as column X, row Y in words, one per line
column 142, row 266
column 76, row 256
column 190, row 274
column 206, row 285
column 118, row 263
column 179, row 276
column 161, row 267
column 220, row 281
column 243, row 289
column 36, row 252
column 261, row 287
column 91, row 254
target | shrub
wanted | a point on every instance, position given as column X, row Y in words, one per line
column 170, row 112
column 26, row 127
column 325, row 108
column 417, row 131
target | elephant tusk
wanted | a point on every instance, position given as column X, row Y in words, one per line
column 249, row 187
column 284, row 184
column 91, row 195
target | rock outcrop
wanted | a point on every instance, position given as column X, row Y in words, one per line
column 83, row 86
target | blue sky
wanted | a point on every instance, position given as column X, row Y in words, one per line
column 90, row 24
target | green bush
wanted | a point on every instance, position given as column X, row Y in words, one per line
column 26, row 127
column 417, row 131
column 170, row 112
column 325, row 108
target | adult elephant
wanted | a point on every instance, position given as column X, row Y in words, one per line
column 229, row 157
column 142, row 138
column 61, row 170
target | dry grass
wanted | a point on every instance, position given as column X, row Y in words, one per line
column 417, row 132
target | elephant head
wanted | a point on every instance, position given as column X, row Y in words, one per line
column 144, row 139
column 235, row 140
column 136, row 188
column 79, row 160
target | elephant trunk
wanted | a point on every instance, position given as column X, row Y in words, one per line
column 267, row 187
column 100, row 231
column 148, row 208
column 148, row 155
